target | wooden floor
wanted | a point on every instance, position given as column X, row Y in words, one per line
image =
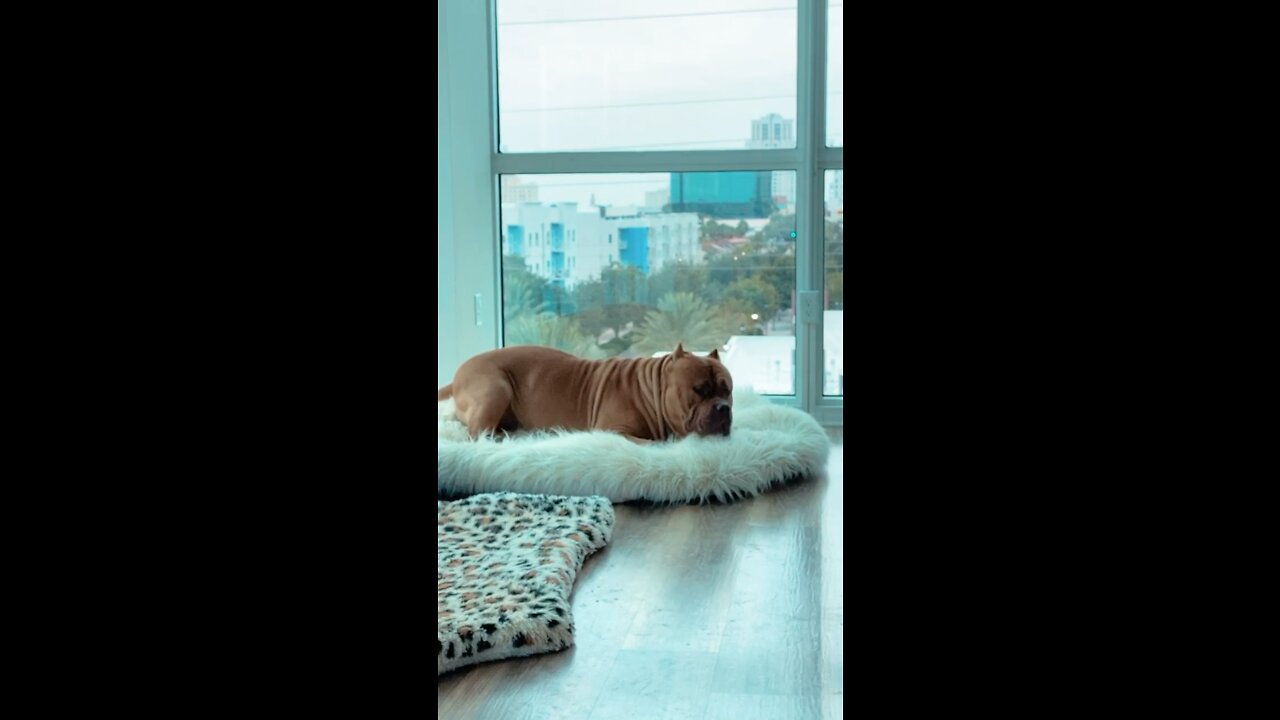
column 713, row 611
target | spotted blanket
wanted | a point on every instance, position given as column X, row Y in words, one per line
column 507, row 563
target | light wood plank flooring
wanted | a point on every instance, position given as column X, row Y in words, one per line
column 713, row 611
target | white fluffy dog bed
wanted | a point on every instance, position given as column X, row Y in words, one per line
column 768, row 444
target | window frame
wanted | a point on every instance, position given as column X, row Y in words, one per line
column 470, row 31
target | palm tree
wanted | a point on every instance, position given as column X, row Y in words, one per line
column 681, row 318
column 562, row 333
column 520, row 296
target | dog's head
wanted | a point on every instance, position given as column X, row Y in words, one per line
column 698, row 395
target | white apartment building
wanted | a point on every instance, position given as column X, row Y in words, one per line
column 570, row 245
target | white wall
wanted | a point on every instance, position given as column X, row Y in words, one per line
column 467, row 240
column 445, row 255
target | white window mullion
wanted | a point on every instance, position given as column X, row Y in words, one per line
column 651, row 161
column 828, row 410
column 809, row 222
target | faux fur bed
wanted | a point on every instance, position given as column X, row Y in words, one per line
column 507, row 563
column 768, row 444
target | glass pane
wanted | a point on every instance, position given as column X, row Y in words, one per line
column 835, row 74
column 833, row 312
column 629, row 265
column 662, row 74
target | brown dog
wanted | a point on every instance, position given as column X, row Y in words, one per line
column 527, row 387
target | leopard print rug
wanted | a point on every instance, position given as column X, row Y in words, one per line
column 507, row 564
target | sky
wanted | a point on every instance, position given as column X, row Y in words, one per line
column 659, row 75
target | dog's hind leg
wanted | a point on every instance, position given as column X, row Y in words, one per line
column 485, row 410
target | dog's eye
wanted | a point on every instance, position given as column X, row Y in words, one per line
column 702, row 389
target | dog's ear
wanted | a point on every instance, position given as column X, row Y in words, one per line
column 714, row 354
column 679, row 350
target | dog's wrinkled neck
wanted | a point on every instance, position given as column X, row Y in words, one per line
column 659, row 399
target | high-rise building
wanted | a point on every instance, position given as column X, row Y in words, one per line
column 772, row 131
column 775, row 131
column 514, row 190
column 783, row 187
column 732, row 195
column 835, row 194
column 657, row 199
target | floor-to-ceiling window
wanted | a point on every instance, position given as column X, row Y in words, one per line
column 671, row 171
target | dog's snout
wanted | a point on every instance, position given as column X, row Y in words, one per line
column 720, row 419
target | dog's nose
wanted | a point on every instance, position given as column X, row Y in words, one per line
column 722, row 417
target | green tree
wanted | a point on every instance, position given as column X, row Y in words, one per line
column 681, row 318
column 833, row 262
column 682, row 277
column 712, row 230
column 623, row 284
column 522, row 290
column 778, row 269
column 558, row 301
column 562, row 333
column 616, row 317
column 589, row 294
column 775, row 267
column 749, row 296
column 835, row 291
column 779, row 229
